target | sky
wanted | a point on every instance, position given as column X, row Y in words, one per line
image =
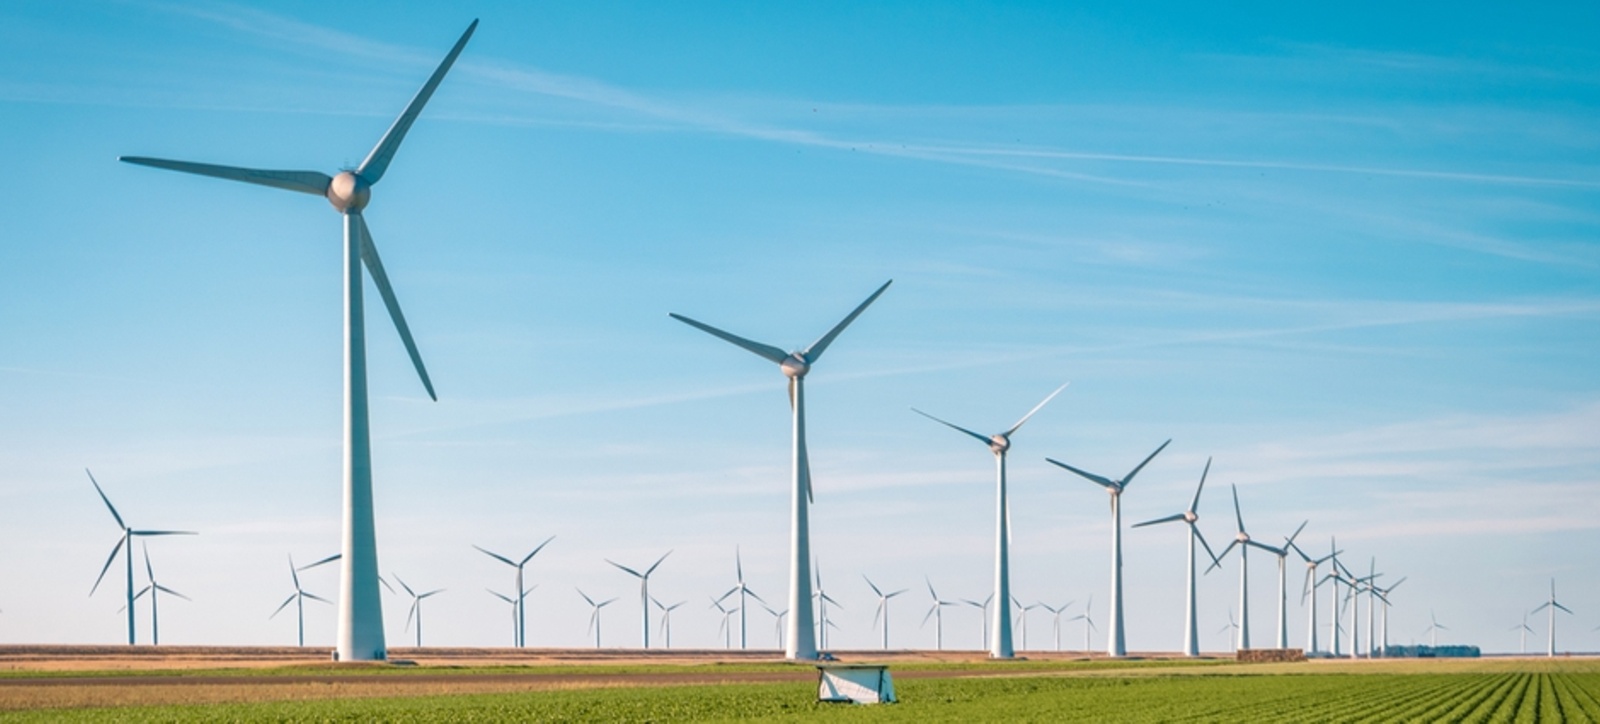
column 1350, row 254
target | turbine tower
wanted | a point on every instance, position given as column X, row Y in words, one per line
column 416, row 607
column 515, row 629
column 154, row 589
column 998, row 444
column 1088, row 623
column 743, row 590
column 1383, row 630
column 1282, row 552
column 983, row 608
column 1116, row 644
column 594, row 618
column 1308, row 593
column 644, row 591
column 299, row 599
column 521, row 638
column 802, row 643
column 1552, row 606
column 936, row 612
column 360, row 610
column 126, row 541
column 1243, row 541
column 883, row 608
column 666, row 618
column 1191, row 633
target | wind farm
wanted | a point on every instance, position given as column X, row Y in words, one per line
column 1345, row 269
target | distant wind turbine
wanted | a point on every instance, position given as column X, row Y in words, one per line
column 1230, row 628
column 1022, row 619
column 743, row 590
column 883, row 608
column 983, row 608
column 515, row 629
column 1116, row 644
column 1433, row 630
column 1523, row 627
column 936, row 612
column 594, row 618
column 1056, row 611
column 998, row 444
column 521, row 603
column 1383, row 633
column 725, row 629
column 416, row 607
column 154, row 589
column 360, row 610
column 126, row 541
column 823, row 599
column 1191, row 635
column 1308, row 594
column 298, row 598
column 1243, row 542
column 802, row 643
column 1087, row 617
column 644, row 590
column 1552, row 606
column 777, row 623
column 666, row 618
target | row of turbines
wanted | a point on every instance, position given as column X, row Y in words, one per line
column 360, row 634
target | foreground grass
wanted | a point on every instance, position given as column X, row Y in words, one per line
column 1548, row 694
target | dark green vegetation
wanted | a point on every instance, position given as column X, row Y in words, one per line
column 1539, row 693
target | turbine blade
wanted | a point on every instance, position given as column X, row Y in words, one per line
column 1168, row 519
column 386, row 584
column 585, row 596
column 306, row 182
column 378, row 160
column 1204, row 544
column 652, row 568
column 767, row 352
column 1238, row 516
column 293, row 574
column 315, row 597
column 980, row 438
column 107, row 566
column 403, row 585
column 329, row 559
column 630, row 571
column 415, row 603
column 1104, row 482
column 495, row 556
column 1036, row 408
column 282, row 606
column 103, row 497
column 872, row 585
column 814, row 352
column 380, row 278
column 1217, row 561
column 164, row 589
column 161, row 532
column 149, row 572
column 1135, row 471
column 536, row 551
column 1193, row 504
column 1536, row 609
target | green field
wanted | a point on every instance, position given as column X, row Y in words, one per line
column 1523, row 691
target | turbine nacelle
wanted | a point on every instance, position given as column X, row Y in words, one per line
column 1242, row 537
column 999, row 443
column 1190, row 517
column 795, row 365
column 349, row 192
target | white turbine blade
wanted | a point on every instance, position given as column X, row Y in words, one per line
column 585, row 596
column 329, row 559
column 164, row 589
column 385, row 583
column 403, row 585
column 535, row 552
column 293, row 575
column 980, row 438
column 1193, row 504
column 315, row 597
column 380, row 278
column 874, row 586
column 415, row 602
column 1169, row 519
column 378, row 160
column 896, row 593
column 752, row 594
column 652, row 568
column 1129, row 478
column 1265, row 547
column 1305, row 589
column 149, row 572
column 814, row 352
column 495, row 556
column 1203, row 543
column 107, row 566
column 103, row 497
column 630, row 571
column 1103, row 482
column 306, row 182
column 502, row 597
column 282, row 606
column 724, row 597
column 161, row 532
column 1217, row 561
column 767, row 352
column 1238, row 516
column 1536, row 609
column 1036, row 408
column 430, row 593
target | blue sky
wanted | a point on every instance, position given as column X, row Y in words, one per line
column 1349, row 253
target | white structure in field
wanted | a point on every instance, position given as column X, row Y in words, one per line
column 999, row 443
column 802, row 640
column 1243, row 542
column 1552, row 606
column 360, row 611
column 855, row 683
column 1191, row 635
column 1116, row 644
column 520, row 603
column 644, row 591
column 125, row 545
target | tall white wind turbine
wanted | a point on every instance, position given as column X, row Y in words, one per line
column 1056, row 611
column 1282, row 552
column 802, row 642
column 521, row 602
column 743, row 590
column 1191, row 634
column 644, row 590
column 936, row 612
column 1433, row 629
column 360, row 610
column 155, row 590
column 1552, row 605
column 1308, row 594
column 1243, row 541
column 1383, row 630
column 1116, row 644
column 822, row 600
column 883, row 608
column 724, row 628
column 416, row 607
column 125, row 542
column 999, row 443
column 594, row 618
column 298, row 598
column 516, row 629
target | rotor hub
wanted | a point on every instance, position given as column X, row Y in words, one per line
column 349, row 192
column 999, row 444
column 1243, row 538
column 795, row 366
column 1190, row 516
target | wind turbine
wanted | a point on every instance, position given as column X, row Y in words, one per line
column 936, row 612
column 823, row 599
column 742, row 590
column 1243, row 541
column 126, row 541
column 1191, row 634
column 802, row 643
column 360, row 610
column 1552, row 606
column 666, row 618
column 984, row 608
column 154, row 589
column 1308, row 593
column 883, row 608
column 594, row 618
column 515, row 631
column 1523, row 627
column 521, row 603
column 416, row 607
column 1372, row 600
column 998, row 444
column 1116, row 644
column 1022, row 619
column 1088, row 623
column 1056, row 628
column 1383, row 595
column 1231, row 627
column 644, row 590
column 298, row 598
column 1433, row 630
column 777, row 622
column 724, row 628
column 1282, row 552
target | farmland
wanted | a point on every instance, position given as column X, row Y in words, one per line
column 1472, row 690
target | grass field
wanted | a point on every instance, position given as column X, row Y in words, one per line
column 1511, row 690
